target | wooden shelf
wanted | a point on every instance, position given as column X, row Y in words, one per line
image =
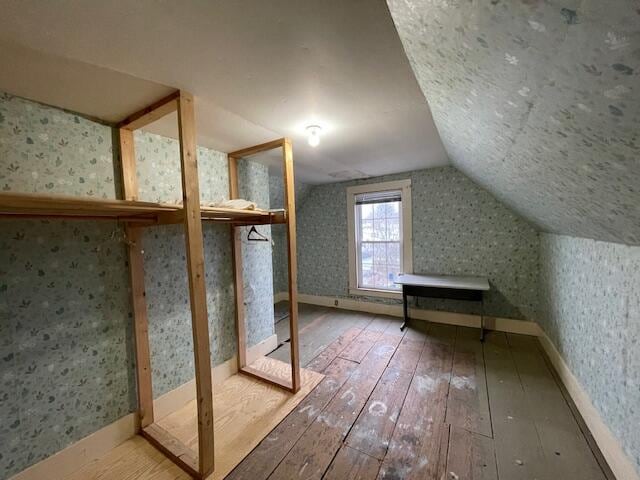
column 239, row 217
column 61, row 206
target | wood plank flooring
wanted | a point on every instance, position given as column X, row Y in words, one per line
column 431, row 403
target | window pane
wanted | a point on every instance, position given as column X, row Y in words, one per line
column 367, row 231
column 367, row 276
column 393, row 211
column 393, row 254
column 393, row 229
column 380, row 276
column 366, row 211
column 366, row 253
column 380, row 229
column 386, row 209
column 380, row 253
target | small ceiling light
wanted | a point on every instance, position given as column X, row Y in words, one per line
column 313, row 135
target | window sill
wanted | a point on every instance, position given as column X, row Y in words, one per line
column 370, row 292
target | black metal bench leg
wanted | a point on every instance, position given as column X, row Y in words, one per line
column 482, row 319
column 405, row 310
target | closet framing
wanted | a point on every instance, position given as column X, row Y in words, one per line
column 136, row 215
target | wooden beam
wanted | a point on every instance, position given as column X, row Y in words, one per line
column 173, row 448
column 263, row 147
column 236, row 246
column 197, row 287
column 267, row 377
column 153, row 112
column 233, row 177
column 136, row 276
column 141, row 325
column 124, row 219
column 290, row 207
column 41, row 204
column 128, row 165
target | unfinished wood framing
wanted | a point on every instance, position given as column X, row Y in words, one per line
column 135, row 215
column 290, row 222
column 197, row 464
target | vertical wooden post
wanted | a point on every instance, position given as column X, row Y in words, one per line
column 197, row 287
column 236, row 248
column 128, row 164
column 290, row 205
column 136, row 274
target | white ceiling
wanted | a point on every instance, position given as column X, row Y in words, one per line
column 259, row 70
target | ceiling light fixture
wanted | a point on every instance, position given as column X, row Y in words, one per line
column 313, row 135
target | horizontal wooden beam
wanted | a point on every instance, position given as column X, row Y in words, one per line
column 173, row 448
column 263, row 147
column 142, row 220
column 267, row 377
column 63, row 206
column 153, row 112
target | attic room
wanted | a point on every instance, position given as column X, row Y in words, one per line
column 320, row 240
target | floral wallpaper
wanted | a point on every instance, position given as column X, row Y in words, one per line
column 458, row 228
column 537, row 101
column 253, row 182
column 158, row 160
column 590, row 308
column 279, row 234
column 43, row 149
column 66, row 358
column 66, row 339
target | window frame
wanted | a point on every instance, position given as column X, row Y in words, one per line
column 406, row 230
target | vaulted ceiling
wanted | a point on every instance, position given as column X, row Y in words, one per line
column 539, row 102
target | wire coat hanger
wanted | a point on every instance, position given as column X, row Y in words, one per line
column 258, row 238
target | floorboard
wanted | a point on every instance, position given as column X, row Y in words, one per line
column 350, row 464
column 468, row 402
column 566, row 450
column 320, row 328
column 519, row 452
column 414, row 450
column 365, row 341
column 313, row 453
column 375, row 425
column 470, row 456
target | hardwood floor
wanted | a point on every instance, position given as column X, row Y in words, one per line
column 429, row 403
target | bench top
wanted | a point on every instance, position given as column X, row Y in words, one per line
column 444, row 281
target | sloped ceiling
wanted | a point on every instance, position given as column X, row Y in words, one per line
column 539, row 102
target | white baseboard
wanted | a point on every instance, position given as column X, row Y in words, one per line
column 621, row 466
column 462, row 319
column 75, row 456
column 280, row 297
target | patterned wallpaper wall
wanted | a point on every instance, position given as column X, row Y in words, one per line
column 458, row 228
column 539, row 102
column 590, row 308
column 278, row 232
column 66, row 353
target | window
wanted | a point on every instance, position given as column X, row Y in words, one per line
column 379, row 237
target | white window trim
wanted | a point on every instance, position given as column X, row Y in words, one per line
column 407, row 236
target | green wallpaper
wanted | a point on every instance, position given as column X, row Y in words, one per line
column 590, row 309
